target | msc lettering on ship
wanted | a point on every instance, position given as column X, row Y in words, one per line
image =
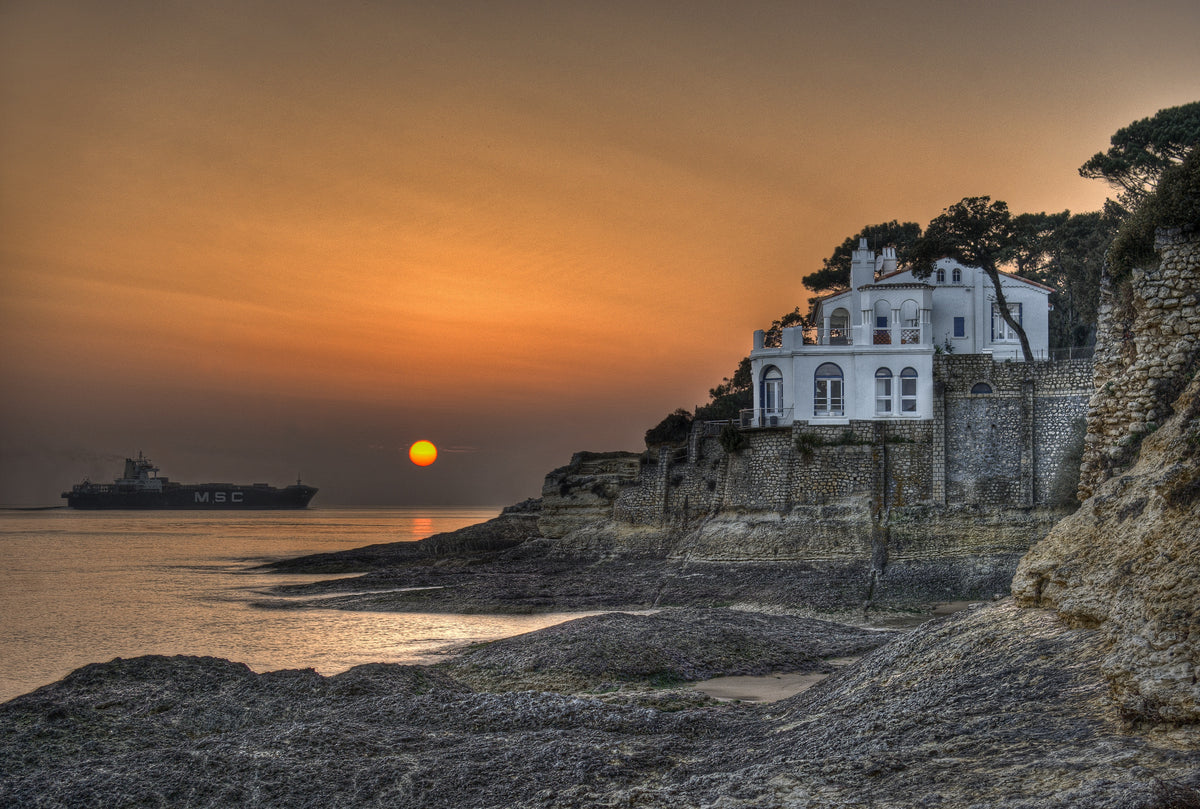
column 219, row 497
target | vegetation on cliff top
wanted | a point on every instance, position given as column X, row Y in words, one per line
column 1147, row 162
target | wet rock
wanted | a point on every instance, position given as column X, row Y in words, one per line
column 674, row 646
column 998, row 707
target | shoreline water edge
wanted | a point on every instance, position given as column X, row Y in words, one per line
column 992, row 703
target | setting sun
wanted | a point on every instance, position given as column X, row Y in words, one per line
column 422, row 453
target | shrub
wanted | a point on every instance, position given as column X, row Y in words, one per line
column 806, row 443
column 731, row 439
column 674, row 429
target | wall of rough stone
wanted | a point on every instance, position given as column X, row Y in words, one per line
column 1008, row 446
column 845, row 484
column 1128, row 561
column 1147, row 347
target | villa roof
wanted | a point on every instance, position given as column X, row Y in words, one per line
column 820, row 299
column 1002, row 273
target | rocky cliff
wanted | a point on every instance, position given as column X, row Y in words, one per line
column 1128, row 562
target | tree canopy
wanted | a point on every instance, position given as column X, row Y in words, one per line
column 1065, row 252
column 979, row 233
column 835, row 272
column 1142, row 151
column 1174, row 203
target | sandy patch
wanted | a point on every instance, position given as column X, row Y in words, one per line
column 768, row 688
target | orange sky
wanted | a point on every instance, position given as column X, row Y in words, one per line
column 256, row 239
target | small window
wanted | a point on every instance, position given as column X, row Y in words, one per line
column 941, row 276
column 828, row 391
column 883, row 392
column 908, row 391
column 957, row 276
column 960, row 327
column 981, row 387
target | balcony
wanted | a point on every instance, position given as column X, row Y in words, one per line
column 761, row 418
column 888, row 336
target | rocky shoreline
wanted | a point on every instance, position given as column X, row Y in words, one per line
column 996, row 706
column 505, row 566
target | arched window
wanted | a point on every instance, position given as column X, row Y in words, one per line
column 772, row 391
column 828, row 391
column 956, row 276
column 883, row 334
column 839, row 327
column 941, row 276
column 910, row 313
column 981, row 387
column 908, row 390
column 883, row 392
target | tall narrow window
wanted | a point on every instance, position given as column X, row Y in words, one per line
column 1001, row 331
column 772, row 391
column 908, row 391
column 883, row 332
column 828, row 392
column 910, row 320
column 941, row 276
column 883, row 392
column 960, row 327
column 956, row 276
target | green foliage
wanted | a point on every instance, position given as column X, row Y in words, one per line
column 978, row 233
column 674, row 429
column 725, row 407
column 1174, row 203
column 1142, row 151
column 773, row 337
column 835, row 274
column 1066, row 253
column 806, row 443
column 731, row 397
column 740, row 382
column 731, row 439
column 974, row 231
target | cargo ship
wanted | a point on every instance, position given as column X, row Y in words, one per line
column 141, row 488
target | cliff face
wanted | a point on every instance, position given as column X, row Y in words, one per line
column 1146, row 352
column 1128, row 562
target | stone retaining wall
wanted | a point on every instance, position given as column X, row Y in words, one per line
column 977, row 479
column 1147, row 349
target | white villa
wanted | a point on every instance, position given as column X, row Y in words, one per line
column 873, row 357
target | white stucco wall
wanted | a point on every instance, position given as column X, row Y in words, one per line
column 971, row 298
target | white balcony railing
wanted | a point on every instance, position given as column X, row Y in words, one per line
column 752, row 418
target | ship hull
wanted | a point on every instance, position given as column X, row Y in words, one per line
column 197, row 497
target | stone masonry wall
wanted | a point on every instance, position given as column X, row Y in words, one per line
column 1147, row 349
column 993, row 451
column 1008, row 446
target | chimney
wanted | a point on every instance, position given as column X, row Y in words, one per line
column 889, row 260
column 862, row 265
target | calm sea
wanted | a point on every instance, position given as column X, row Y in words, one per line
column 80, row 587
